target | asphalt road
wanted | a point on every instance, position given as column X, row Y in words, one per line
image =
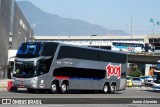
column 130, row 92
column 88, row 99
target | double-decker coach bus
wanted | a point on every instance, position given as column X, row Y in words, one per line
column 132, row 47
column 60, row 67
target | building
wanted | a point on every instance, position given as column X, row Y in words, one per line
column 5, row 10
column 14, row 29
column 20, row 29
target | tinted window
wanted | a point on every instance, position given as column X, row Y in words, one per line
column 89, row 54
column 138, row 79
column 128, row 44
column 49, row 49
column 79, row 72
column 32, row 50
column 78, row 53
column 112, row 57
column 102, row 47
column 44, row 66
column 29, row 50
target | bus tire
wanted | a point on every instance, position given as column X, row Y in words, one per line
column 64, row 88
column 54, row 88
column 105, row 88
column 112, row 89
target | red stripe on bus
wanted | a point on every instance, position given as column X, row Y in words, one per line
column 61, row 77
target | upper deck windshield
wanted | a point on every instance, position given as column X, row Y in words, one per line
column 29, row 50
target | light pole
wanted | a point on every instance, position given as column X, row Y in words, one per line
column 33, row 26
column 92, row 29
column 131, row 27
column 91, row 39
column 100, row 41
column 152, row 21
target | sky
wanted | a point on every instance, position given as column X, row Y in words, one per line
column 126, row 15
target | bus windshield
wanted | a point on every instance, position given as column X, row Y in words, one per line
column 29, row 50
column 157, row 77
column 25, row 69
column 157, row 67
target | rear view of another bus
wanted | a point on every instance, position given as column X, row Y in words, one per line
column 132, row 47
column 128, row 47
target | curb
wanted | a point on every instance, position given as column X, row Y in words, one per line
column 3, row 86
column 4, row 83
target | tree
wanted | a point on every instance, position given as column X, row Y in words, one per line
column 134, row 71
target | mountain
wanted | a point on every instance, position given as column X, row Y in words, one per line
column 50, row 25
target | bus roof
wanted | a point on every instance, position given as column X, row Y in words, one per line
column 101, row 49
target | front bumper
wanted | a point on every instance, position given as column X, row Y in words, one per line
column 25, row 83
column 20, row 84
column 137, row 84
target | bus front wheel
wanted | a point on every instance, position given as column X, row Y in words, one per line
column 54, row 88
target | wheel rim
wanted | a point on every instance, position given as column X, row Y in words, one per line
column 112, row 88
column 54, row 87
column 64, row 87
column 105, row 88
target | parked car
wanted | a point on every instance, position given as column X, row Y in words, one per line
column 137, row 81
column 129, row 81
column 148, row 81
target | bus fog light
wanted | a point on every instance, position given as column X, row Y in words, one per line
column 34, row 85
column 34, row 80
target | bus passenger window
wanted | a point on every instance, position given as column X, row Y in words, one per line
column 44, row 66
column 42, row 69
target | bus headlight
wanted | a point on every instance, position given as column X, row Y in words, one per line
column 34, row 80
